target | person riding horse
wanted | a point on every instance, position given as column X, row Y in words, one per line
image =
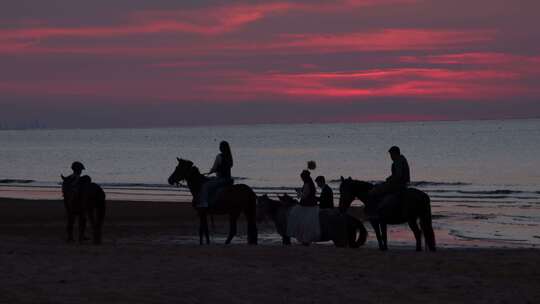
column 396, row 183
column 222, row 167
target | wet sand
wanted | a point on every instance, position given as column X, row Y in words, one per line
column 150, row 255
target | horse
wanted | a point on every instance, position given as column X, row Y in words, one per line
column 408, row 207
column 88, row 201
column 232, row 200
column 343, row 229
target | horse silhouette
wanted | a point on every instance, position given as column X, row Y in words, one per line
column 88, row 201
column 343, row 229
column 232, row 200
column 408, row 207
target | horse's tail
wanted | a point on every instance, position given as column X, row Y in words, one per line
column 356, row 232
column 251, row 216
column 426, row 225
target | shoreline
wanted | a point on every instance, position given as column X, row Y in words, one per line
column 179, row 224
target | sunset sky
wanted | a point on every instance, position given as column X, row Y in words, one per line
column 139, row 63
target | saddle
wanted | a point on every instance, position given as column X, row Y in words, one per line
column 215, row 193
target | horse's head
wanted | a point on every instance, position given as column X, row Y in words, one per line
column 181, row 172
column 266, row 207
column 351, row 189
column 287, row 200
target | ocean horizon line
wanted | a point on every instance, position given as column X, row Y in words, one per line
column 263, row 124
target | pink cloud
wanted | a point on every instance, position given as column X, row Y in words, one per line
column 206, row 21
column 425, row 83
column 385, row 40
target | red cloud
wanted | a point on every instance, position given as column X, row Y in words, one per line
column 206, row 21
column 384, row 40
column 433, row 83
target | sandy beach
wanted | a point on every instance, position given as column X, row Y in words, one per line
column 150, row 255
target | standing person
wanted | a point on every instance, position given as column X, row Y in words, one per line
column 326, row 199
column 308, row 192
column 222, row 167
column 303, row 222
column 70, row 191
column 72, row 181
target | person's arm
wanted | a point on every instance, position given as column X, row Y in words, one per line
column 397, row 173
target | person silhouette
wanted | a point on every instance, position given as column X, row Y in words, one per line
column 73, row 179
column 326, row 199
column 222, row 168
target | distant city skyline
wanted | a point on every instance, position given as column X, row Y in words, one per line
column 135, row 63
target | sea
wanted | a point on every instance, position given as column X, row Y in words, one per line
column 483, row 177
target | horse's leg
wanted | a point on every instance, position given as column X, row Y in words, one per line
column 203, row 230
column 82, row 226
column 69, row 226
column 232, row 227
column 92, row 220
column 376, row 226
column 206, row 230
column 384, row 235
column 417, row 233
column 286, row 240
column 251, row 217
column 202, row 223
column 429, row 235
column 100, row 218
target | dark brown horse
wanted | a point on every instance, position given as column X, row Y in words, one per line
column 408, row 207
column 343, row 229
column 232, row 200
column 87, row 201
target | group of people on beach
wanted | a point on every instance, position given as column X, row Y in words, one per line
column 307, row 194
column 304, row 218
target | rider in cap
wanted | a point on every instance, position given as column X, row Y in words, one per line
column 396, row 182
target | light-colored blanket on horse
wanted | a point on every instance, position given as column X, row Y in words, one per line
column 303, row 224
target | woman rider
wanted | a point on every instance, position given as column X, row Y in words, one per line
column 222, row 167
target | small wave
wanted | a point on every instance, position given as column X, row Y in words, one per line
column 16, row 181
column 493, row 192
column 491, row 197
column 430, row 184
column 415, row 183
column 136, row 185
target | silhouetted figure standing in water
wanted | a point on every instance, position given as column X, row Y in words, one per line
column 222, row 167
column 397, row 182
column 326, row 199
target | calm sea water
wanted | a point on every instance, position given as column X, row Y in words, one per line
column 487, row 170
